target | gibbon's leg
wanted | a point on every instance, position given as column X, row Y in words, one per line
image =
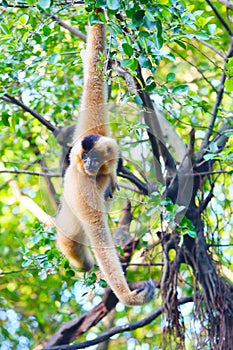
column 72, row 239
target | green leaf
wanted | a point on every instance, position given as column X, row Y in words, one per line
column 158, row 40
column 229, row 85
column 180, row 89
column 150, row 87
column 202, row 36
column 229, row 133
column 4, row 28
column 144, row 62
column 192, row 234
column 44, row 4
column 150, row 15
column 128, row 50
column 103, row 283
column 65, row 263
column 181, row 44
column 116, row 27
column 4, row 3
column 24, row 19
column 229, row 66
column 120, row 250
column 37, row 38
column 158, row 35
column 27, row 262
column 138, row 17
column 69, row 273
column 138, row 100
column 131, row 64
column 46, row 30
column 113, row 4
column 212, row 28
column 5, row 118
column 170, row 77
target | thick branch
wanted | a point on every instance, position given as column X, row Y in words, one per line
column 126, row 174
column 116, row 330
column 154, row 131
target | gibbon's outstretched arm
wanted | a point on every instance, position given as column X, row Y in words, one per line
column 93, row 115
column 89, row 180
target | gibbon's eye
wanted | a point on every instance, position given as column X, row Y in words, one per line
column 108, row 150
column 84, row 156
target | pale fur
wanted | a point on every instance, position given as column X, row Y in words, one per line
column 82, row 219
column 93, row 115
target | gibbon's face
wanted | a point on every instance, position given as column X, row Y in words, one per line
column 99, row 155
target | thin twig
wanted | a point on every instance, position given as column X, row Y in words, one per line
column 217, row 14
column 71, row 29
column 30, row 173
column 143, row 264
column 3, row 273
column 207, row 44
column 193, row 65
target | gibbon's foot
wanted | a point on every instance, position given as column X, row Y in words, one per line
column 148, row 290
column 138, row 296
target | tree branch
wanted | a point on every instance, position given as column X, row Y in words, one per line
column 213, row 48
column 71, row 29
column 126, row 174
column 154, row 131
column 120, row 329
column 217, row 14
column 10, row 99
column 28, row 172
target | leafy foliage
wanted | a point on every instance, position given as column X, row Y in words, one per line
column 182, row 50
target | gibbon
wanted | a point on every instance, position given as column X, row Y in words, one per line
column 90, row 181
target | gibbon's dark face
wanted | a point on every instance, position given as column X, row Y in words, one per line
column 91, row 159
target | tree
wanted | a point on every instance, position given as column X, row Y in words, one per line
column 170, row 109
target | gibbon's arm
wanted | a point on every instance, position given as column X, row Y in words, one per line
column 93, row 161
column 93, row 110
